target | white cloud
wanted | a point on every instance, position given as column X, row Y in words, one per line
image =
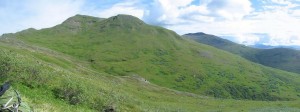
column 279, row 25
column 281, row 2
column 277, row 19
column 237, row 19
column 19, row 15
column 166, row 11
column 48, row 13
column 230, row 9
column 246, row 39
column 121, row 8
column 182, row 11
column 169, row 4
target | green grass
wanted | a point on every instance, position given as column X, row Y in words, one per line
column 99, row 90
column 96, row 63
column 280, row 58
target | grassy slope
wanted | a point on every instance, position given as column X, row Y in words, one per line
column 39, row 72
column 242, row 50
column 280, row 58
column 125, row 46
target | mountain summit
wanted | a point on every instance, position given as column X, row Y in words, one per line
column 84, row 23
column 81, row 19
column 125, row 20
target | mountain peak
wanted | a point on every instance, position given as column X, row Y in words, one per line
column 77, row 20
column 198, row 33
column 78, row 17
column 125, row 20
column 125, row 17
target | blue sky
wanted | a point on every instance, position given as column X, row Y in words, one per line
column 269, row 22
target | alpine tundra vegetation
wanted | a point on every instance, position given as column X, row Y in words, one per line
column 121, row 63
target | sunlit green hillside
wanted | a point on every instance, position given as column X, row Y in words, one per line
column 90, row 64
column 280, row 58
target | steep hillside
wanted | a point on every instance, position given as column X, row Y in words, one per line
column 50, row 81
column 125, row 46
column 280, row 58
column 242, row 50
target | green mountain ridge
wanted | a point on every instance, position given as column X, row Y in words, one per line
column 280, row 58
column 123, row 63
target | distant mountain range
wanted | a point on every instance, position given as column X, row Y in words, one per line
column 282, row 57
column 261, row 46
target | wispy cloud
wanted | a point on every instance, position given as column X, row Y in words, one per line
column 238, row 19
column 121, row 8
column 17, row 15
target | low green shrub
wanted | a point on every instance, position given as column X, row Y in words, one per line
column 69, row 92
